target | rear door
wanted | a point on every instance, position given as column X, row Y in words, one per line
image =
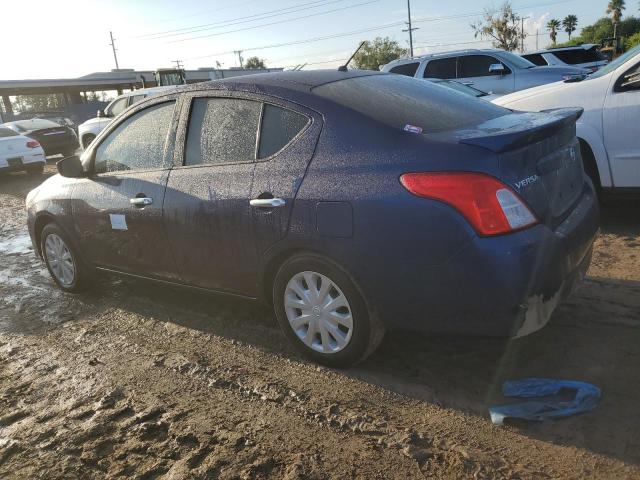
column 206, row 212
column 118, row 209
column 620, row 127
column 473, row 70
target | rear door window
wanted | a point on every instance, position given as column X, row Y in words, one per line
column 137, row 143
column 475, row 66
column 222, row 130
column 279, row 126
column 408, row 69
column 444, row 68
column 117, row 107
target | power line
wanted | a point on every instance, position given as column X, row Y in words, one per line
column 240, row 20
column 274, row 23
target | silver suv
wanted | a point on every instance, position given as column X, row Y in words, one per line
column 586, row 56
column 493, row 71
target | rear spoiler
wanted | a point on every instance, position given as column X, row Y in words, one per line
column 518, row 129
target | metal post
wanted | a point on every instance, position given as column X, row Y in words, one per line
column 410, row 33
column 113, row 47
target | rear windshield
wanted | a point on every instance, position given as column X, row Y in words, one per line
column 7, row 132
column 579, row 55
column 34, row 124
column 397, row 101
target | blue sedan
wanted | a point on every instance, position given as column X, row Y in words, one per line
column 353, row 202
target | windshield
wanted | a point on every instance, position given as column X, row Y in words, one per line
column 6, row 132
column 610, row 67
column 516, row 60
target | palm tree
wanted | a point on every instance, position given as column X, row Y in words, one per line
column 570, row 23
column 615, row 8
column 553, row 25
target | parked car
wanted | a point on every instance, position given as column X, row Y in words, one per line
column 88, row 130
column 60, row 119
column 20, row 153
column 424, row 209
column 608, row 129
column 586, row 56
column 54, row 138
column 490, row 70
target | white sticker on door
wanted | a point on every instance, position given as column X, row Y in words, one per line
column 118, row 222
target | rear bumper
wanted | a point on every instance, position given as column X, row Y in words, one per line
column 501, row 286
column 29, row 161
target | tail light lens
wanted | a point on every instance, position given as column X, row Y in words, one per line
column 32, row 144
column 490, row 206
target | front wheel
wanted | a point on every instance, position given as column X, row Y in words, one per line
column 321, row 311
column 64, row 264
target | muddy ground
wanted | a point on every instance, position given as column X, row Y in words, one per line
column 135, row 380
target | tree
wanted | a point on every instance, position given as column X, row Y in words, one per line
column 378, row 52
column 553, row 25
column 254, row 63
column 570, row 23
column 615, row 8
column 502, row 26
column 633, row 40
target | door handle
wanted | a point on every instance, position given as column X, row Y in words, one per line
column 267, row 202
column 141, row 201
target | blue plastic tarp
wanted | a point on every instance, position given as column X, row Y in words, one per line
column 586, row 398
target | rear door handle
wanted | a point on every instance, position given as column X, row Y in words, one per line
column 141, row 201
column 267, row 202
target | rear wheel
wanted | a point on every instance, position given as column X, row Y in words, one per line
column 36, row 170
column 321, row 311
column 64, row 264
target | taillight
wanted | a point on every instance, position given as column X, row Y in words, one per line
column 32, row 144
column 490, row 206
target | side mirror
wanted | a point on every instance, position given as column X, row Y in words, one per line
column 496, row 69
column 71, row 167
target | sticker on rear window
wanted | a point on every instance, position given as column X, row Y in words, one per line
column 412, row 128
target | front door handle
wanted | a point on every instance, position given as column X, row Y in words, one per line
column 141, row 201
column 267, row 202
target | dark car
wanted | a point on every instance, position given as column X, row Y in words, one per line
column 53, row 137
column 352, row 201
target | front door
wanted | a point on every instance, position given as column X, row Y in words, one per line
column 473, row 70
column 118, row 208
column 620, row 127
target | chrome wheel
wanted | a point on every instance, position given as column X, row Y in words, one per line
column 318, row 312
column 60, row 260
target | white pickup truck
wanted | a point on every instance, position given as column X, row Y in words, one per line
column 609, row 129
column 92, row 127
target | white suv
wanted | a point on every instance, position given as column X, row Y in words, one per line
column 586, row 56
column 490, row 70
column 91, row 128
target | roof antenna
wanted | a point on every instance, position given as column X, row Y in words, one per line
column 343, row 68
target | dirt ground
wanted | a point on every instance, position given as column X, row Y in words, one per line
column 136, row 380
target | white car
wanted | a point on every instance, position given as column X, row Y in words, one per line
column 91, row 128
column 586, row 56
column 20, row 153
column 608, row 129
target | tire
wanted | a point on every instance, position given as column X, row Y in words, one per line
column 334, row 341
column 81, row 276
column 37, row 170
column 87, row 139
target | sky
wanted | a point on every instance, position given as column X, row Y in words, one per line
column 70, row 38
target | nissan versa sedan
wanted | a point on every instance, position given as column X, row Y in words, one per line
column 424, row 209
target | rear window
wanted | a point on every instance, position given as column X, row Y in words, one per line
column 579, row 55
column 397, row 101
column 408, row 69
column 35, row 124
column 536, row 58
column 7, row 132
column 279, row 126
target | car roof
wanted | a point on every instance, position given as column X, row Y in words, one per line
column 467, row 51
column 584, row 46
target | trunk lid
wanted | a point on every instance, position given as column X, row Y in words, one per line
column 13, row 145
column 538, row 156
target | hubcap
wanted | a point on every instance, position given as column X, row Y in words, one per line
column 318, row 312
column 59, row 259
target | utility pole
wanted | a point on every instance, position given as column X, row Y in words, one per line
column 239, row 52
column 409, row 29
column 113, row 47
column 522, row 19
column 537, row 35
column 178, row 63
